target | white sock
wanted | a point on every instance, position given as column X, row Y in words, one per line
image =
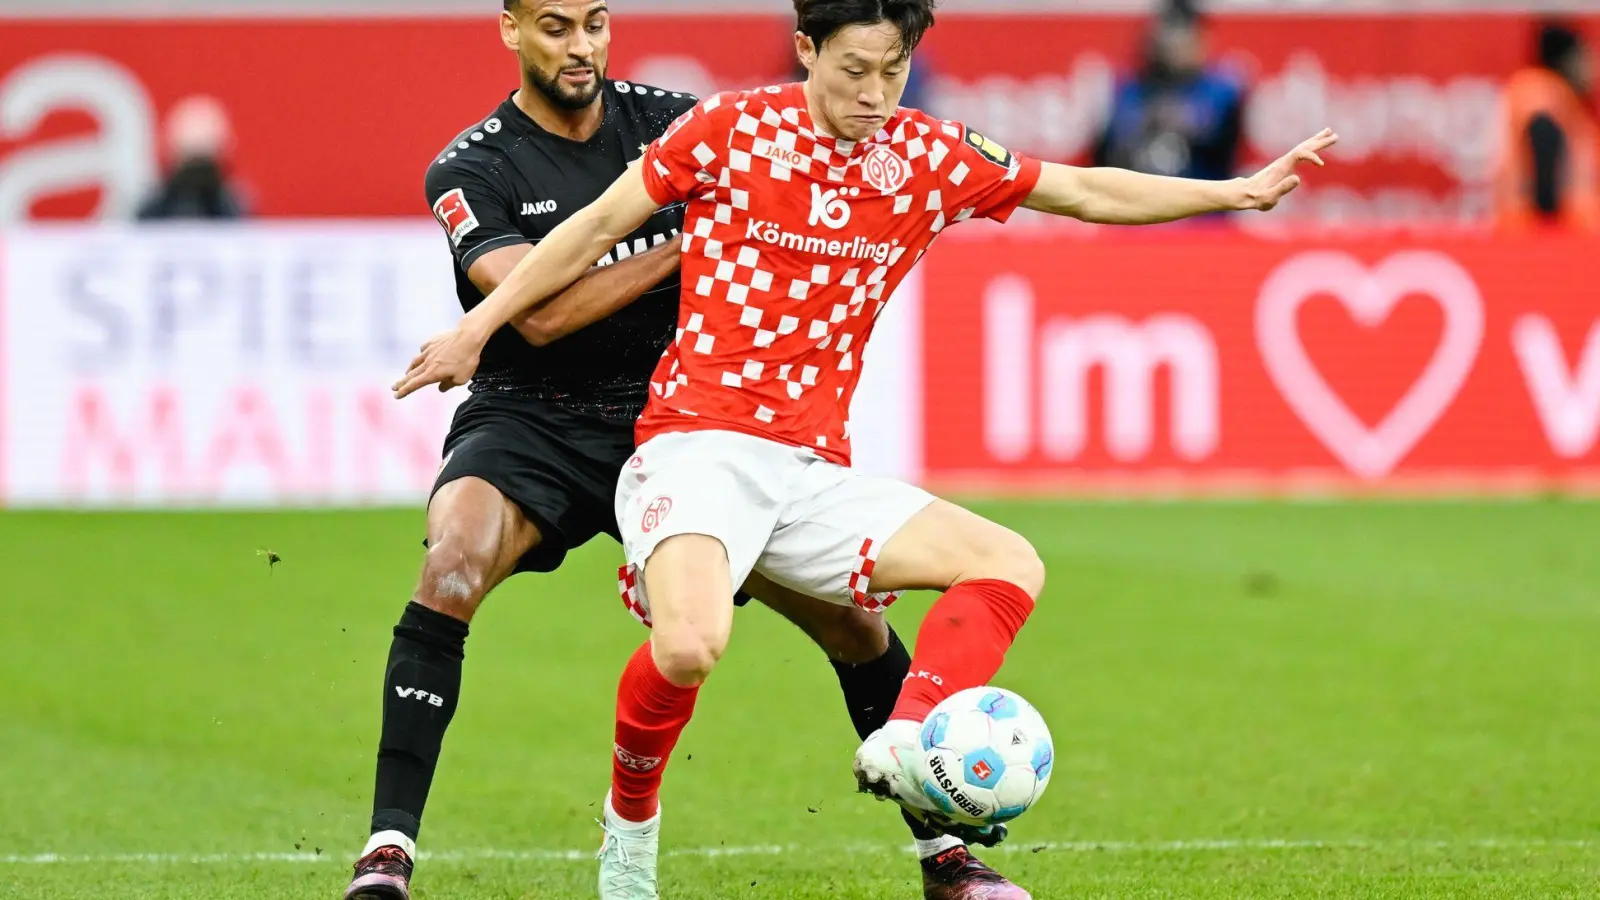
column 936, row 846
column 618, row 823
column 392, row 839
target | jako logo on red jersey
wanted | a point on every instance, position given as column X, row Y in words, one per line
column 828, row 208
column 794, row 159
column 655, row 513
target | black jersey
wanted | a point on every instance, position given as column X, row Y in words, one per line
column 507, row 181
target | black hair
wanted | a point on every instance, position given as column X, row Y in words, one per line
column 822, row 19
column 511, row 5
column 1557, row 42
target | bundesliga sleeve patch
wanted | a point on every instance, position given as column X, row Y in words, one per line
column 988, row 149
column 455, row 214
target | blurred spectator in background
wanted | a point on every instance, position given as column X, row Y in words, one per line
column 1550, row 163
column 198, row 140
column 1178, row 116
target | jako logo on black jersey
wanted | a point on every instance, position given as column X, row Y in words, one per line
column 539, row 209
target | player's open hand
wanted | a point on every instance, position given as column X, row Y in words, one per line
column 448, row 360
column 1267, row 187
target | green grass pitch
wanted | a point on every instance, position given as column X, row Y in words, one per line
column 1248, row 700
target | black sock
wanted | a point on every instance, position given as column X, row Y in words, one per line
column 419, row 697
column 870, row 691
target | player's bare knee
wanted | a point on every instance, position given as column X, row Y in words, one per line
column 854, row 637
column 1029, row 570
column 1020, row 564
column 454, row 581
column 686, row 656
column 1011, row 558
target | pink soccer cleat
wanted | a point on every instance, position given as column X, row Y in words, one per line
column 956, row 874
column 383, row 874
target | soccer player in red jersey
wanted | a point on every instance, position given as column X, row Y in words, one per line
column 807, row 204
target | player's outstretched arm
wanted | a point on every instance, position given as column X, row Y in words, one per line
column 1120, row 197
column 450, row 359
column 595, row 296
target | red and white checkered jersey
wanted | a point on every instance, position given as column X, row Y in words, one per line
column 793, row 242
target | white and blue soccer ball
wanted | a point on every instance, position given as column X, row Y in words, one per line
column 989, row 756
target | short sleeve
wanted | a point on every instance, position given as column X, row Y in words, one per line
column 477, row 215
column 984, row 179
column 689, row 156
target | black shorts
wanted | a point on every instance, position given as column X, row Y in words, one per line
column 558, row 465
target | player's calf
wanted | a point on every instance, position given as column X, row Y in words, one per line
column 688, row 585
column 475, row 537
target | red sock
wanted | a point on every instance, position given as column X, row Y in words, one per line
column 962, row 643
column 651, row 713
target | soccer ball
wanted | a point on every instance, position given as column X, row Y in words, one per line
column 989, row 756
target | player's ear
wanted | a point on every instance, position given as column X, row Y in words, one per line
column 509, row 34
column 805, row 49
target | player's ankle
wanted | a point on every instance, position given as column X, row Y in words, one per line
column 632, row 813
column 937, row 845
column 391, row 839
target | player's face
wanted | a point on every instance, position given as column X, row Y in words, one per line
column 564, row 46
column 857, row 78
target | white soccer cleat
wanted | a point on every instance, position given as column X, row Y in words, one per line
column 628, row 857
column 891, row 765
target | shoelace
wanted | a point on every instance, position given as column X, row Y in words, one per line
column 958, row 861
column 628, row 873
column 386, row 860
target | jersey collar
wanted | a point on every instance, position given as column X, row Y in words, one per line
column 523, row 124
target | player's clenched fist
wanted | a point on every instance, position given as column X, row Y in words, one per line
column 1267, row 187
column 448, row 360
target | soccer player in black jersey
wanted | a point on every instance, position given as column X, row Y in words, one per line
column 531, row 461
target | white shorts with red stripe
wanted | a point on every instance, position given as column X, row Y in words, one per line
column 805, row 523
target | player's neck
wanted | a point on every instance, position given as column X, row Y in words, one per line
column 572, row 124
